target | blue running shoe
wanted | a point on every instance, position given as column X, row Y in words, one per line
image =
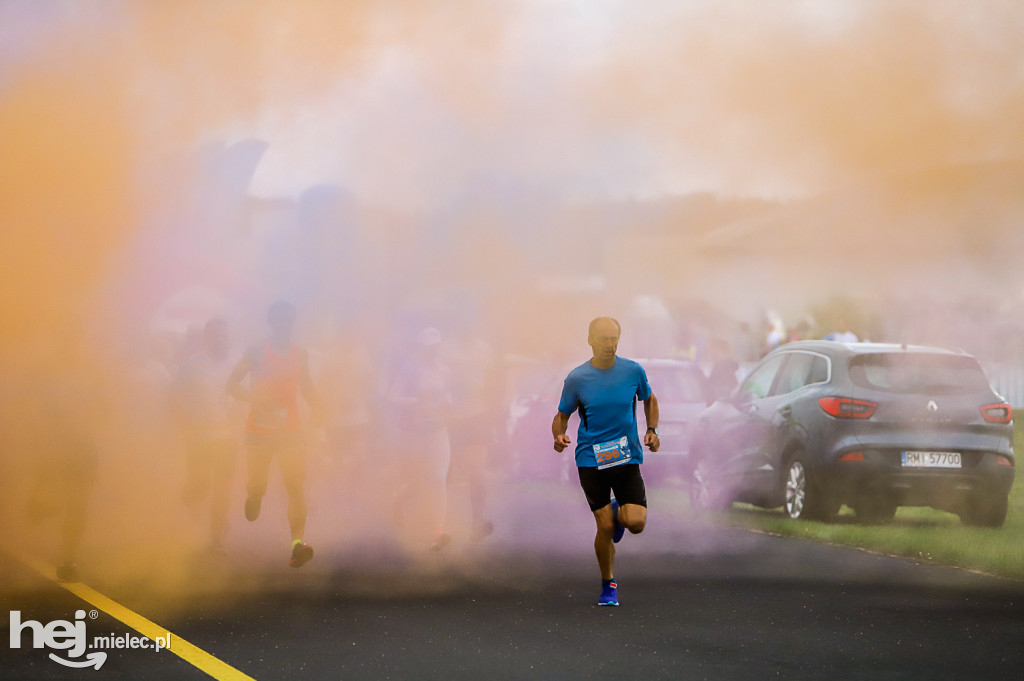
column 609, row 593
column 619, row 529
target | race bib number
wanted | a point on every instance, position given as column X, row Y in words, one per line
column 614, row 453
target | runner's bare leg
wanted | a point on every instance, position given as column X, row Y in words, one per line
column 603, row 545
column 293, row 471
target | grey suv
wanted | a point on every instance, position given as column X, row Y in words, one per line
column 817, row 424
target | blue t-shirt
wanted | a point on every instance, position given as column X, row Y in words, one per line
column 606, row 399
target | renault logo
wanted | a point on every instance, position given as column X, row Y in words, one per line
column 932, row 406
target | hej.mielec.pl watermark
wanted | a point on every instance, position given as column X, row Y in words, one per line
column 70, row 636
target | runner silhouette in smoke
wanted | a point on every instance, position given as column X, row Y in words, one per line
column 278, row 371
column 68, row 411
column 471, row 426
column 208, row 420
column 421, row 397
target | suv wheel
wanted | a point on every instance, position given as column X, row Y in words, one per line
column 704, row 494
column 803, row 499
column 985, row 513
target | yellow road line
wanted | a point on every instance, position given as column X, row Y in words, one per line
column 193, row 655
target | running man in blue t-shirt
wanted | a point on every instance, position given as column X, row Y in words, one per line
column 608, row 451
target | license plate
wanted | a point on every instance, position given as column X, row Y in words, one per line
column 931, row 460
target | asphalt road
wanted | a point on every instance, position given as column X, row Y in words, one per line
column 698, row 602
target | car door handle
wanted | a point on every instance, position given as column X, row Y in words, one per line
column 786, row 411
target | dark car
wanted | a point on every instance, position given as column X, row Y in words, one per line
column 818, row 424
column 679, row 387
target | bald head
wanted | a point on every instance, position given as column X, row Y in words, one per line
column 603, row 337
column 602, row 324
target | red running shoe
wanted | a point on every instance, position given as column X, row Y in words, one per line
column 301, row 554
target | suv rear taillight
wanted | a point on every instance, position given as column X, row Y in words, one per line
column 997, row 413
column 847, row 408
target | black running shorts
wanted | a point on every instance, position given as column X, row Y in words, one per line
column 624, row 481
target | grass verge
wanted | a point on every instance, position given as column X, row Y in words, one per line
column 921, row 533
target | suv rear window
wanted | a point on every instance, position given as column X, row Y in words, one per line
column 902, row 372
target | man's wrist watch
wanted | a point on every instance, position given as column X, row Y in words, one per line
column 654, row 428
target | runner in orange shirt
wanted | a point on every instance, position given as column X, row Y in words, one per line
column 278, row 371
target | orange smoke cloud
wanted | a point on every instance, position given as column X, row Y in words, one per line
column 65, row 179
column 762, row 97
